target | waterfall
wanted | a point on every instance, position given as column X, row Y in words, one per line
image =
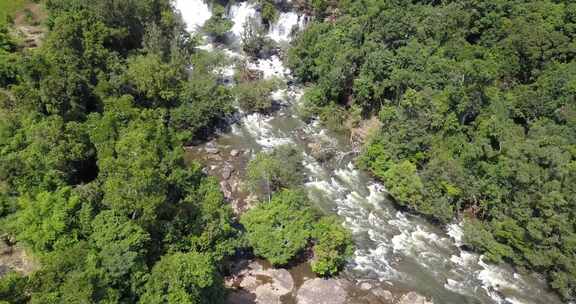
column 240, row 13
column 281, row 29
column 194, row 12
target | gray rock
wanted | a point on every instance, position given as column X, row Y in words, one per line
column 265, row 294
column 234, row 153
column 266, row 286
column 211, row 150
column 321, row 291
column 5, row 249
column 382, row 294
column 413, row 298
column 226, row 190
column 321, row 151
column 365, row 286
column 282, row 280
column 227, row 172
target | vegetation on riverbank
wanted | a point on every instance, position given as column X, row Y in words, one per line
column 9, row 8
column 92, row 177
column 284, row 223
column 477, row 106
column 93, row 181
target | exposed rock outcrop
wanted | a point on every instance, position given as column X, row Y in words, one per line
column 259, row 285
column 323, row 291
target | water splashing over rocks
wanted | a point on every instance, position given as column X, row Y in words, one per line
column 396, row 252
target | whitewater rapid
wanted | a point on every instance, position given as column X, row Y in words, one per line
column 393, row 247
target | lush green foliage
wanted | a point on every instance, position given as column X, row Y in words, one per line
column 278, row 230
column 272, row 171
column 9, row 8
column 92, row 177
column 268, row 11
column 477, row 104
column 282, row 226
column 7, row 68
column 333, row 246
column 255, row 43
column 93, row 182
column 187, row 278
column 281, row 229
column 13, row 288
column 252, row 92
column 218, row 25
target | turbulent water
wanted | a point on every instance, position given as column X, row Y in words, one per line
column 393, row 247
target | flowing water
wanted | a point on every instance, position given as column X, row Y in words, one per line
column 393, row 247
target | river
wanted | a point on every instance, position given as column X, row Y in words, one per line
column 393, row 247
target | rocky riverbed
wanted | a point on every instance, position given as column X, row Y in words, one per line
column 255, row 282
column 400, row 258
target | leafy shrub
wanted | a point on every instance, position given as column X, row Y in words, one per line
column 272, row 171
column 281, row 228
column 477, row 114
column 189, row 278
column 333, row 246
column 269, row 13
column 255, row 96
column 218, row 25
column 255, row 42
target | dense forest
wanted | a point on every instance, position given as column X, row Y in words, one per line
column 477, row 105
column 477, row 123
column 93, row 182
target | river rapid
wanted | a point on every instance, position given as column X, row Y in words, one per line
column 395, row 248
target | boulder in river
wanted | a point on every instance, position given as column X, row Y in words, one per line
column 227, row 172
column 413, row 298
column 365, row 286
column 265, row 285
column 226, row 189
column 211, row 150
column 323, row 291
column 321, row 151
column 382, row 294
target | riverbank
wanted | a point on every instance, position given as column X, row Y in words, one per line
column 393, row 248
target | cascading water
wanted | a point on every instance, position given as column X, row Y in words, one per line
column 282, row 29
column 195, row 13
column 240, row 14
column 393, row 247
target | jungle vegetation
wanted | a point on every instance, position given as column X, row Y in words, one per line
column 478, row 111
column 93, row 182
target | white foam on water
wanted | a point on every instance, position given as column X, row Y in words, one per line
column 208, row 47
column 377, row 194
column 465, row 259
column 314, row 167
column 240, row 13
column 281, row 30
column 194, row 12
column 260, row 129
column 390, row 234
column 495, row 278
column 280, row 95
column 350, row 177
column 455, row 231
column 270, row 67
